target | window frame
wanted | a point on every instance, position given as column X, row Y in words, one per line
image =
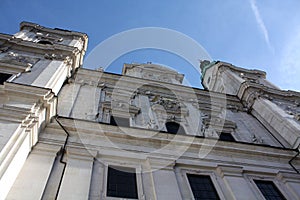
column 272, row 182
column 211, row 174
column 257, row 191
column 139, row 183
column 205, row 178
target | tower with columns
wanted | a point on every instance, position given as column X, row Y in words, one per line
column 67, row 132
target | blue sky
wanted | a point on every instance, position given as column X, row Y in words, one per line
column 247, row 33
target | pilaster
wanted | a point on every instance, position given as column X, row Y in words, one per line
column 77, row 176
column 38, row 164
column 235, row 183
column 163, row 174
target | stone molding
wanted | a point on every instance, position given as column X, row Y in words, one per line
column 53, row 52
column 224, row 170
column 80, row 154
column 37, row 27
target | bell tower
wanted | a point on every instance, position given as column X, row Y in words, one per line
column 34, row 64
column 40, row 56
column 276, row 109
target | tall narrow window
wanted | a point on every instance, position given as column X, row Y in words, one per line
column 121, row 182
column 173, row 127
column 119, row 121
column 269, row 190
column 4, row 77
column 226, row 137
column 202, row 187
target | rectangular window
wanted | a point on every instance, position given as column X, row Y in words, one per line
column 121, row 182
column 202, row 187
column 119, row 121
column 4, row 77
column 269, row 190
column 226, row 137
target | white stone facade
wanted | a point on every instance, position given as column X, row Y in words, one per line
column 62, row 127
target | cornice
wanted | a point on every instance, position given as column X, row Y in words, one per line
column 220, row 64
column 241, row 70
column 14, row 68
column 98, row 78
column 249, row 91
column 225, row 170
column 16, row 43
column 120, row 106
column 58, row 31
column 93, row 129
column 31, row 100
column 32, row 91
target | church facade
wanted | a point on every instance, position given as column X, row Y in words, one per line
column 72, row 133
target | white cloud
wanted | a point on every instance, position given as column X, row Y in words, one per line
column 261, row 23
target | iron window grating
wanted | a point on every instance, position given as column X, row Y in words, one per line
column 269, row 190
column 202, row 187
column 121, row 182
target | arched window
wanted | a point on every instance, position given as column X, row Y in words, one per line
column 45, row 42
column 173, row 127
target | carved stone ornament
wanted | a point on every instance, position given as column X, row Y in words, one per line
column 168, row 104
column 234, row 108
column 297, row 116
column 48, row 37
column 67, row 60
column 119, row 106
column 3, row 49
column 257, row 140
column 291, row 108
column 157, row 77
column 17, row 59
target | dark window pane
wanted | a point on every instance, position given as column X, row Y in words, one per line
column 119, row 121
column 269, row 190
column 45, row 42
column 4, row 77
column 121, row 183
column 173, row 127
column 226, row 137
column 202, row 187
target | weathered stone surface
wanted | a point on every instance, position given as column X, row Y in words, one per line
column 61, row 128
